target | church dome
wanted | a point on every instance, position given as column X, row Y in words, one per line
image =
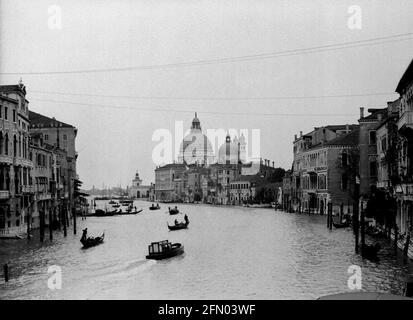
column 196, row 147
column 228, row 152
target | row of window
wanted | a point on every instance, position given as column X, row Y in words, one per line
column 239, row 186
column 20, row 145
column 4, row 114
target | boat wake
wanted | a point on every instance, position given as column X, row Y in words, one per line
column 127, row 269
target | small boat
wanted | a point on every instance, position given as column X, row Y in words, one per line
column 103, row 213
column 153, row 207
column 370, row 251
column 164, row 249
column 341, row 225
column 130, row 212
column 91, row 241
column 178, row 226
column 173, row 210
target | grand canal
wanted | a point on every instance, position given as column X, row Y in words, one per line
column 230, row 253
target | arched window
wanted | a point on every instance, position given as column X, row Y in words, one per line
column 20, row 146
column 15, row 146
column 6, row 145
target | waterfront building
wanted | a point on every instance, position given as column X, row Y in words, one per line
column 137, row 190
column 16, row 192
column 165, row 178
column 221, row 176
column 323, row 169
column 287, row 189
column 368, row 148
column 196, row 147
column 62, row 136
column 404, row 189
column 43, row 181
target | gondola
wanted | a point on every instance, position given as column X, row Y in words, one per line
column 341, row 225
column 157, row 207
column 370, row 251
column 181, row 225
column 88, row 242
column 103, row 213
column 173, row 211
column 130, row 212
column 164, row 249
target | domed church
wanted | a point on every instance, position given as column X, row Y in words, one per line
column 196, row 147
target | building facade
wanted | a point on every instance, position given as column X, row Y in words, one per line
column 322, row 169
column 16, row 192
column 137, row 190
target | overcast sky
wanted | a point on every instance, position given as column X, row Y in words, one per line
column 115, row 133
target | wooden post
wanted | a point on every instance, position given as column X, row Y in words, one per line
column 50, row 225
column 356, row 226
column 41, row 222
column 406, row 245
column 74, row 220
column 28, row 222
column 64, row 221
column 330, row 214
column 396, row 236
column 6, row 272
column 341, row 212
column 356, row 214
column 362, row 226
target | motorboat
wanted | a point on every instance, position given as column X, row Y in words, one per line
column 88, row 242
column 164, row 250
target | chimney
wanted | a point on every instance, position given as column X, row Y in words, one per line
column 295, row 137
column 273, row 164
column 301, row 134
column 361, row 112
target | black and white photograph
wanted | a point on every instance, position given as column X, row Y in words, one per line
column 206, row 150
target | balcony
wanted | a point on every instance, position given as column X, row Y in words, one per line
column 43, row 196
column 28, row 189
column 4, row 194
column 18, row 161
column 406, row 121
column 6, row 159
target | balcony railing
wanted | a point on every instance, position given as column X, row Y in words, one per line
column 6, row 159
column 406, row 120
column 4, row 194
column 28, row 189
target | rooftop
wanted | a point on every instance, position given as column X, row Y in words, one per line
column 406, row 79
column 39, row 120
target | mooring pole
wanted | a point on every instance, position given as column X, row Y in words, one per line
column 74, row 220
column 396, row 236
column 362, row 225
column 330, row 213
column 50, row 225
column 6, row 272
column 64, row 221
column 41, row 216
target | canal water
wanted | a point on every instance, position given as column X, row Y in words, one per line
column 230, row 253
